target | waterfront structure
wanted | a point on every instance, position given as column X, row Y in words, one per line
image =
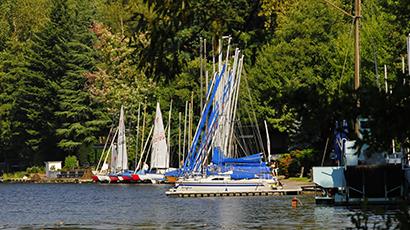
column 52, row 168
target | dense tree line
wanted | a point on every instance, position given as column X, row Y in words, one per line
column 66, row 67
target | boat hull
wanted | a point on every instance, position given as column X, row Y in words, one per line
column 222, row 185
column 152, row 177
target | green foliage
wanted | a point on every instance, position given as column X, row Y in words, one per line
column 25, row 109
column 168, row 39
column 290, row 163
column 70, row 162
column 67, row 66
column 20, row 19
column 35, row 169
column 15, row 175
column 302, row 81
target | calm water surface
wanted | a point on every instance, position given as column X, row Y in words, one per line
column 106, row 206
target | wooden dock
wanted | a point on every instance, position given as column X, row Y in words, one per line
column 278, row 192
column 49, row 181
column 289, row 188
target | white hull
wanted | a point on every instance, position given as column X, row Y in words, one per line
column 103, row 178
column 222, row 184
column 153, row 177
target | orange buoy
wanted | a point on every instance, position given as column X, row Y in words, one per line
column 294, row 202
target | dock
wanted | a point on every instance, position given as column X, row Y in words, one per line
column 288, row 188
column 277, row 192
column 49, row 181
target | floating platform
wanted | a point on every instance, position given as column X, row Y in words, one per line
column 278, row 192
column 49, row 181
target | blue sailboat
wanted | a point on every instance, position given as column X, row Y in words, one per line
column 210, row 155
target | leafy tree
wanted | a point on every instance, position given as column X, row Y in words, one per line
column 168, row 39
column 20, row 19
column 117, row 82
column 305, row 73
column 70, row 162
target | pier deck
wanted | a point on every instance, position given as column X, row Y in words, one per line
column 289, row 187
column 294, row 191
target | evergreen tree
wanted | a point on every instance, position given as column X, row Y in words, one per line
column 63, row 53
column 25, row 110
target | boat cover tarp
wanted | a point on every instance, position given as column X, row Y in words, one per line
column 219, row 159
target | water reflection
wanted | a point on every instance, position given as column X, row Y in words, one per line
column 146, row 206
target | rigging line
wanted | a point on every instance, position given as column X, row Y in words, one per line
column 258, row 134
column 339, row 8
column 239, row 130
column 250, row 129
column 145, row 146
column 112, row 142
column 373, row 46
column 238, row 143
column 251, row 126
column 346, row 54
column 241, row 127
column 105, row 146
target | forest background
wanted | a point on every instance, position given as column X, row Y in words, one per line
column 67, row 66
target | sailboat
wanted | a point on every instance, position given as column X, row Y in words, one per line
column 159, row 161
column 116, row 170
column 214, row 140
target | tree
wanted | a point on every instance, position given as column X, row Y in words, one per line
column 20, row 19
column 168, row 39
column 305, row 73
column 63, row 52
column 25, row 111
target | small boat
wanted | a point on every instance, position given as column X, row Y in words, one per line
column 222, row 184
column 116, row 170
column 159, row 161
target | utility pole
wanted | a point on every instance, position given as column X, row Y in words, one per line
column 357, row 16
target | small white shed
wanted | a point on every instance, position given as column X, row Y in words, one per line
column 52, row 168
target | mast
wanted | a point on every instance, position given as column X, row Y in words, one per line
column 267, row 141
column 179, row 139
column 169, row 133
column 200, row 72
column 144, row 115
column 138, row 133
column 185, row 131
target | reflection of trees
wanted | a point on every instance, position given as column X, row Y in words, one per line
column 400, row 219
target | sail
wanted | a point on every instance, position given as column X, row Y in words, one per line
column 159, row 155
column 114, row 159
column 122, row 162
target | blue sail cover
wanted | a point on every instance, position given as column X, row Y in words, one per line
column 248, row 167
column 218, row 158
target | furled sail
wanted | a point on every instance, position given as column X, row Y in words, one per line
column 122, row 161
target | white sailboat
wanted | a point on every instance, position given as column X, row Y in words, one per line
column 116, row 170
column 159, row 163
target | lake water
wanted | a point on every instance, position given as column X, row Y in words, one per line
column 107, row 206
